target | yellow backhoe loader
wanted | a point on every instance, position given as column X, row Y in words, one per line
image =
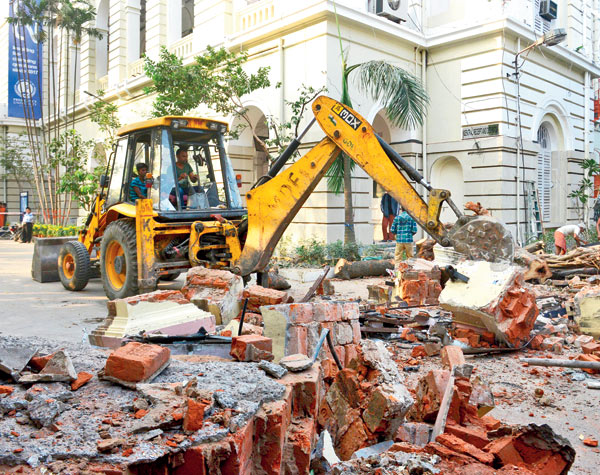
column 193, row 214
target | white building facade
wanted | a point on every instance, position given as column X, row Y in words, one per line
column 462, row 50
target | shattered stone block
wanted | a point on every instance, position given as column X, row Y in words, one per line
column 353, row 439
column 136, row 362
column 388, row 403
column 216, row 291
column 414, row 433
column 59, row 368
column 494, row 299
column 251, row 348
column 428, row 395
column 167, row 311
column 553, row 344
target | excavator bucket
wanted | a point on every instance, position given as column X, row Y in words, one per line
column 482, row 238
column 44, row 265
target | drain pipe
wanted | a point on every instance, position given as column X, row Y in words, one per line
column 424, row 126
column 586, row 136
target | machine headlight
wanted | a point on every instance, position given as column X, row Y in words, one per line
column 178, row 123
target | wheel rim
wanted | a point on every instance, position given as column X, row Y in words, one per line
column 68, row 266
column 116, row 277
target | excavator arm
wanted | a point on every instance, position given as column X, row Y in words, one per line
column 273, row 204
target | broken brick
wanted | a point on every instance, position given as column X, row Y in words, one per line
column 82, row 378
column 463, row 447
column 473, row 435
column 414, row 433
column 242, row 347
column 418, row 351
column 194, row 416
column 136, row 362
column 504, row 450
column 37, row 363
column 258, row 296
column 6, row 390
column 452, row 356
column 592, row 358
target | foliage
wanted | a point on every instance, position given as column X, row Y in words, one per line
column 311, row 252
column 14, row 161
column 70, row 152
column 340, row 250
column 285, row 132
column 54, row 230
column 586, row 187
column 104, row 114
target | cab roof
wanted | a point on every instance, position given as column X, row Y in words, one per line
column 192, row 123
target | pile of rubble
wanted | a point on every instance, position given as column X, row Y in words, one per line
column 245, row 380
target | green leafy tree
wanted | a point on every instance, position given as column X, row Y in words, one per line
column 15, row 161
column 284, row 132
column 405, row 102
column 69, row 152
column 585, row 189
column 104, row 114
column 215, row 79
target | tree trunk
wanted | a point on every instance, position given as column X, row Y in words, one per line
column 351, row 270
column 349, row 236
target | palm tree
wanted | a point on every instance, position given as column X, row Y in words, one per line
column 405, row 101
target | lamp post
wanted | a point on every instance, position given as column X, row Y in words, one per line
column 551, row 38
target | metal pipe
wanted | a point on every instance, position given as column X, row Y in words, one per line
column 241, row 327
column 519, row 141
column 586, row 135
column 403, row 164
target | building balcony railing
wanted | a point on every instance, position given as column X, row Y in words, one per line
column 103, row 82
column 136, row 68
column 182, row 48
column 255, row 15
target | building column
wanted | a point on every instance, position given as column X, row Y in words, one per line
column 118, row 57
column 158, row 14
column 88, row 65
column 132, row 14
column 213, row 21
column 174, row 21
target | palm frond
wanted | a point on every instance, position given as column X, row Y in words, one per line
column 401, row 93
column 335, row 175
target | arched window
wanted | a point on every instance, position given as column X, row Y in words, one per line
column 544, row 171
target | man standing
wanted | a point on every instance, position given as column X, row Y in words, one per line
column 389, row 208
column 560, row 243
column 27, row 232
column 404, row 227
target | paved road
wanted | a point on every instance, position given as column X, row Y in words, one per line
column 28, row 308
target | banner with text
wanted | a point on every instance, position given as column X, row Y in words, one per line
column 24, row 70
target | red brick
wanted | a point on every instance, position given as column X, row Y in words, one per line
column 297, row 340
column 452, row 356
column 351, row 354
column 240, row 460
column 353, row 439
column 589, row 348
column 193, row 462
column 504, row 449
column 491, row 423
column 356, row 335
column 82, row 378
column 428, row 395
column 258, row 296
column 305, row 391
column 536, row 342
column 6, row 390
column 460, row 446
column 194, row 416
column 448, row 454
column 240, row 346
column 270, row 427
column 329, row 369
column 300, row 313
column 136, row 362
column 473, row 435
column 37, row 363
column 298, row 446
column 327, row 312
column 589, row 358
column 418, row 351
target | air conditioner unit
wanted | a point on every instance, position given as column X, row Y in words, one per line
column 548, row 10
column 394, row 10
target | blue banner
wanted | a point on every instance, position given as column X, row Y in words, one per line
column 24, row 70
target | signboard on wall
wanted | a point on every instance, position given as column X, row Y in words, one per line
column 480, row 131
column 24, row 72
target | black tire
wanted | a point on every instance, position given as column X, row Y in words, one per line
column 169, row 277
column 74, row 266
column 119, row 276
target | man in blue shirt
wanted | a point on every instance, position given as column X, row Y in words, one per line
column 28, row 219
column 404, row 227
column 137, row 189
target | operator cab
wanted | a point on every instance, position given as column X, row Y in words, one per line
column 189, row 175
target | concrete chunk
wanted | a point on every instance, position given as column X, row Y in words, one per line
column 14, row 358
column 59, row 368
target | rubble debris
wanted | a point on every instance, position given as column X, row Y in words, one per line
column 346, row 270
column 587, row 310
column 59, row 368
column 418, row 282
column 136, row 363
column 323, row 456
column 537, row 268
column 296, row 328
column 13, row 359
column 296, row 362
column 258, row 296
column 251, row 348
column 425, row 249
column 83, row 377
column 272, row 369
column 494, row 299
column 164, row 311
column 316, row 286
column 216, row 291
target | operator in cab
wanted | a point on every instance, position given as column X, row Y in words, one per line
column 138, row 189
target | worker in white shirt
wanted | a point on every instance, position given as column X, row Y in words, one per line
column 27, row 225
column 560, row 242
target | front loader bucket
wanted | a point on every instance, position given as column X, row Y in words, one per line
column 44, row 265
